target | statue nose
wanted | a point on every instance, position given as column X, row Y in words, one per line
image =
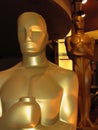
column 28, row 39
column 29, row 36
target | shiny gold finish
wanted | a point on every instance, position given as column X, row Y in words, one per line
column 38, row 83
column 80, row 48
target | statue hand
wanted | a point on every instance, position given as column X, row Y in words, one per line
column 25, row 113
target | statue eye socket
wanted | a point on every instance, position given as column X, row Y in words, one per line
column 35, row 36
column 22, row 33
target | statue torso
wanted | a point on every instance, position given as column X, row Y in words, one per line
column 79, row 43
column 80, row 49
column 37, row 82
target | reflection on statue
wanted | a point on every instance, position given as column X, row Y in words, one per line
column 37, row 94
column 80, row 48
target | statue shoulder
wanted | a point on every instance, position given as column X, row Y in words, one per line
column 69, row 80
column 5, row 74
column 65, row 77
column 67, row 39
column 88, row 36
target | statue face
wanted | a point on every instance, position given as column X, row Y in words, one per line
column 79, row 22
column 32, row 33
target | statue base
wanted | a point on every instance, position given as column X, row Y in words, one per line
column 88, row 128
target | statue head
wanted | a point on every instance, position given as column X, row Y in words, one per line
column 32, row 32
column 78, row 22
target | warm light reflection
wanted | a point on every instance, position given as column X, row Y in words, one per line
column 67, row 111
column 84, row 1
column 35, row 28
column 0, row 108
column 67, row 107
column 83, row 15
column 28, row 129
column 32, row 125
column 28, row 111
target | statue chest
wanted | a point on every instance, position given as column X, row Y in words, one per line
column 43, row 87
column 77, row 40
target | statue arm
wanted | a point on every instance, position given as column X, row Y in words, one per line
column 92, row 47
column 0, row 108
column 69, row 105
column 68, row 46
column 89, row 50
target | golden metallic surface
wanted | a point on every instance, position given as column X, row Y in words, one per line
column 80, row 48
column 37, row 94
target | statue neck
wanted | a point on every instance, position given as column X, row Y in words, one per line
column 80, row 31
column 35, row 60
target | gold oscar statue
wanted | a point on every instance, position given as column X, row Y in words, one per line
column 36, row 94
column 80, row 48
